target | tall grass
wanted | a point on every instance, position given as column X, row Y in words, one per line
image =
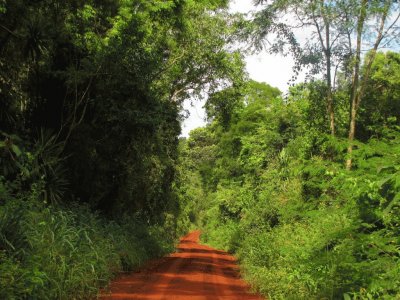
column 49, row 252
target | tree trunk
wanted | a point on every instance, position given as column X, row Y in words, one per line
column 327, row 51
column 331, row 112
column 352, row 132
column 329, row 99
column 357, row 92
column 355, row 83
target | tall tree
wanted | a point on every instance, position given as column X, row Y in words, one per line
column 323, row 51
column 341, row 30
column 385, row 30
column 156, row 55
column 114, row 75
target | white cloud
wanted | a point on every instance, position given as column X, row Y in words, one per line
column 275, row 70
column 241, row 6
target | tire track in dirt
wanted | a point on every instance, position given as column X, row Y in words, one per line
column 194, row 272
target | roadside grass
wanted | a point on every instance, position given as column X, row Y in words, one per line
column 53, row 252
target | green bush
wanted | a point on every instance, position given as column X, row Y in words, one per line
column 50, row 252
column 53, row 250
column 314, row 230
column 276, row 193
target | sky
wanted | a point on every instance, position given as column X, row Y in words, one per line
column 275, row 70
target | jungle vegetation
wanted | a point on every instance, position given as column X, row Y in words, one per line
column 303, row 187
column 90, row 111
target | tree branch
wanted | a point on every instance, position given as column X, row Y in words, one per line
column 10, row 31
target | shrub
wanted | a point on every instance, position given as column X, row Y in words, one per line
column 50, row 252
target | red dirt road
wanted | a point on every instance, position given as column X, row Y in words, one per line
column 195, row 272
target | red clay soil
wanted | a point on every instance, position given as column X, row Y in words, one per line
column 194, row 272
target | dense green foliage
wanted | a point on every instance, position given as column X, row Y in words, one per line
column 95, row 181
column 69, row 253
column 275, row 190
column 107, row 79
column 90, row 111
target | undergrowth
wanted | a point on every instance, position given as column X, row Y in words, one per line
column 319, row 231
column 54, row 248
column 275, row 192
column 55, row 252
